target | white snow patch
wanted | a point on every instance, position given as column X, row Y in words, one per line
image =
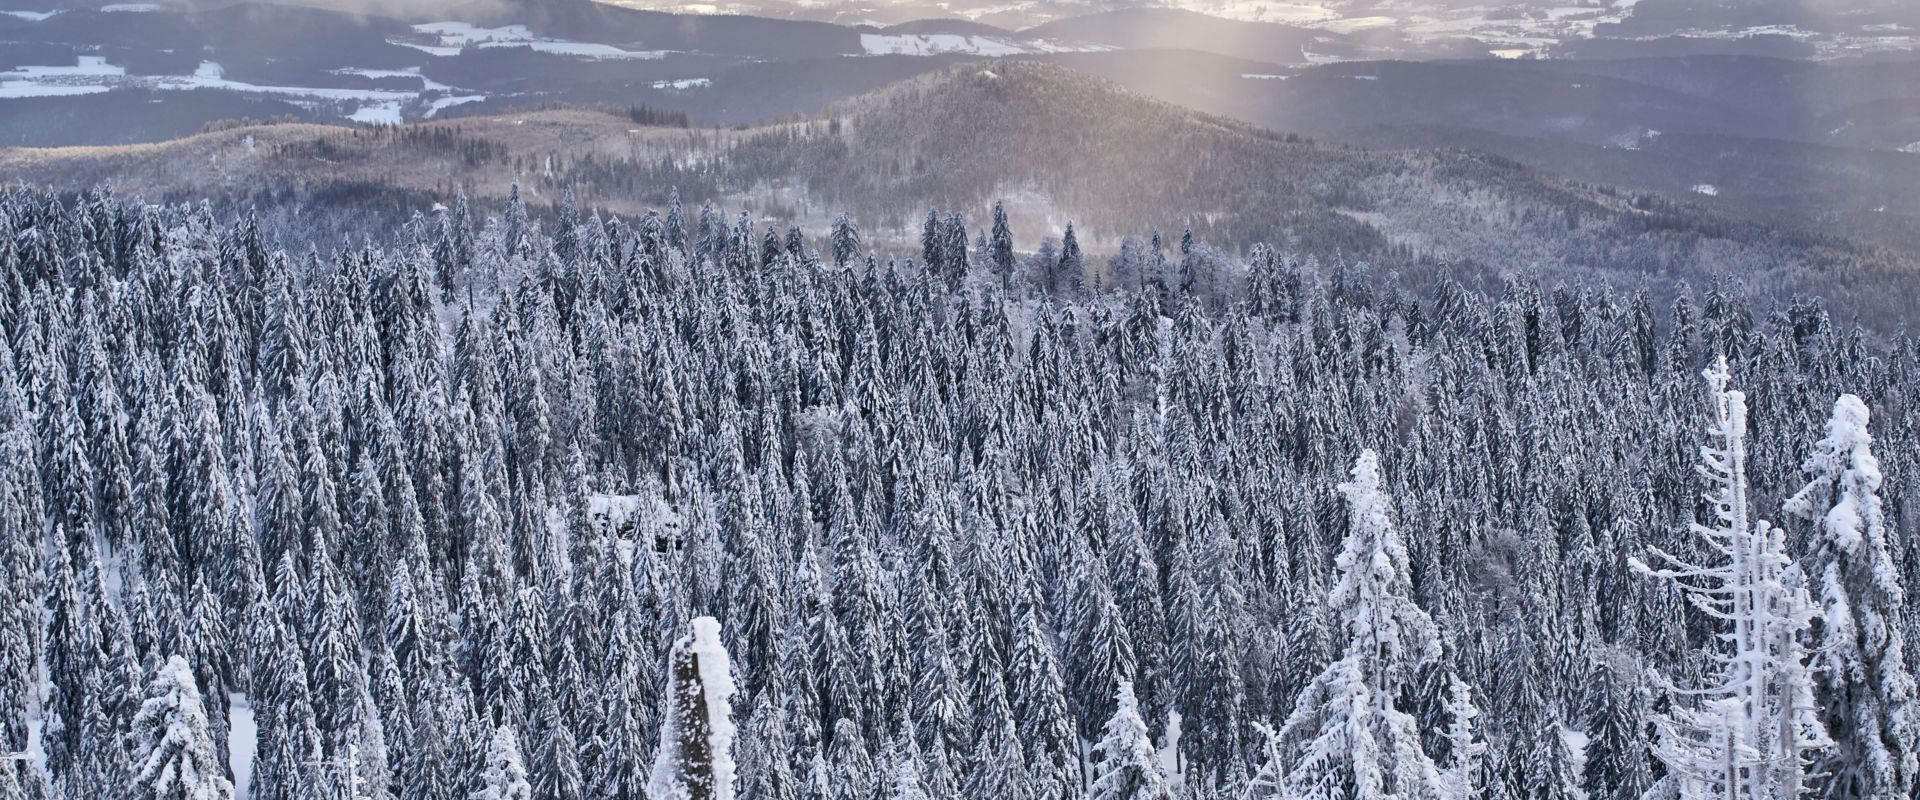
column 36, row 743
column 1255, row 76
column 385, row 113
column 445, row 103
column 1170, row 751
column 717, row 688
column 89, row 75
column 429, row 49
column 426, row 83
column 683, row 84
column 716, row 678
column 882, row 44
column 87, row 67
column 130, row 8
column 450, row 37
column 32, row 16
column 1576, row 743
column 879, row 44
column 1707, row 189
column 243, row 741
column 210, row 76
column 461, row 34
column 1912, row 148
column 13, row 90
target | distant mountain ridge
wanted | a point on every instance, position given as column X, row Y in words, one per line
column 1060, row 146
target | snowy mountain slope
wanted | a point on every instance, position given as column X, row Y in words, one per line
column 1071, row 146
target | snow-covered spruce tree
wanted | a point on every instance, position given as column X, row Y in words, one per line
column 1461, row 777
column 172, row 749
column 1269, row 779
column 695, row 758
column 1127, row 766
column 1003, row 262
column 1347, row 738
column 1618, row 766
column 845, row 240
column 1866, row 694
column 505, row 777
column 1747, row 734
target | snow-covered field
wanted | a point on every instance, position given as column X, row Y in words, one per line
column 90, row 75
column 880, row 44
column 426, row 83
column 449, row 38
column 93, row 75
column 683, row 84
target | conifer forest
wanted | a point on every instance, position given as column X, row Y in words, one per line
column 555, row 504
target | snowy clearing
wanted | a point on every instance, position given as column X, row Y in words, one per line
column 450, row 37
column 91, row 75
column 881, row 44
column 683, row 84
column 387, row 113
column 445, row 103
column 426, row 83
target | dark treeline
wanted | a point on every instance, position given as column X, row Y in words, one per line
column 386, row 504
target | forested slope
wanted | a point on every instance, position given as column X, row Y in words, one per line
column 1060, row 145
column 408, row 505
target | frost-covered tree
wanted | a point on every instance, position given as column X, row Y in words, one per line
column 1349, row 740
column 1127, row 768
column 172, row 748
column 1460, row 778
column 1867, row 696
column 505, row 775
column 694, row 760
column 1748, row 733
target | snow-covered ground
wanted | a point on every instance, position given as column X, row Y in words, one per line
column 31, row 16
column 383, row 113
column 426, row 83
column 448, row 38
column 927, row 44
column 242, row 741
column 92, row 74
column 683, row 84
column 445, row 103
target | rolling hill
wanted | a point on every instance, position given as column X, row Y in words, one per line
column 1058, row 144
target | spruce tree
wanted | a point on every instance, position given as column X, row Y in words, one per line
column 1867, row 696
column 1128, row 768
column 1346, row 736
column 173, row 753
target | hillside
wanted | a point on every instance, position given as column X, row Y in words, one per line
column 1059, row 146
